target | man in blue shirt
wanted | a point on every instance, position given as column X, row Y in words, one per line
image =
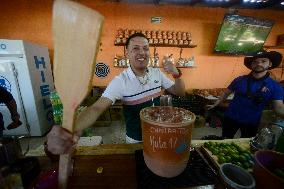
column 252, row 92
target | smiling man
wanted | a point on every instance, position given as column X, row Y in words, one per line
column 251, row 94
column 137, row 87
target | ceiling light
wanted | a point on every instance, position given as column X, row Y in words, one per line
column 282, row 3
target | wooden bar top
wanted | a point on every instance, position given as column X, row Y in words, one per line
column 118, row 171
column 117, row 162
column 106, row 149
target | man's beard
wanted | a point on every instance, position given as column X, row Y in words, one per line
column 260, row 71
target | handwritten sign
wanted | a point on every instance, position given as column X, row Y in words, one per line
column 157, row 141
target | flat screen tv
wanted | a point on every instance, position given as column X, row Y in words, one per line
column 242, row 35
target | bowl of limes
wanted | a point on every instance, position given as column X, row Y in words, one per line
column 230, row 153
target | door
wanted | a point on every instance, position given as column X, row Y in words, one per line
column 9, row 80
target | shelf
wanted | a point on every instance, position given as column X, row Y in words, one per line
column 163, row 45
column 157, row 67
column 127, row 67
column 186, row 67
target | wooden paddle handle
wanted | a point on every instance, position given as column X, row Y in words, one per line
column 65, row 170
column 65, row 161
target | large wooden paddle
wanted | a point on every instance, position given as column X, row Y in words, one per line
column 76, row 33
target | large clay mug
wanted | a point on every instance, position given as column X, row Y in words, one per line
column 166, row 139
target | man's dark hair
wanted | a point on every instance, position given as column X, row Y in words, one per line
column 133, row 36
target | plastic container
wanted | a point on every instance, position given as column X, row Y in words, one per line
column 236, row 177
column 166, row 133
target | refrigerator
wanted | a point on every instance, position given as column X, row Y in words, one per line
column 25, row 72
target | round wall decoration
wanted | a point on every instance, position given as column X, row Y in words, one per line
column 102, row 70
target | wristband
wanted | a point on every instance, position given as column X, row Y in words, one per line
column 176, row 76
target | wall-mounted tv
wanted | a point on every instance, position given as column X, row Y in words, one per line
column 242, row 35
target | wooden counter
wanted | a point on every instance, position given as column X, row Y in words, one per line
column 117, row 161
column 107, row 149
column 119, row 171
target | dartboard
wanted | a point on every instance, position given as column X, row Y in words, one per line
column 102, row 70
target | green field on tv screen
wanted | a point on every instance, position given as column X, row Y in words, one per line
column 237, row 37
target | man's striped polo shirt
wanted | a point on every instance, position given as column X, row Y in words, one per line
column 136, row 96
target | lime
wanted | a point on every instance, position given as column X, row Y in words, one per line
column 225, row 151
column 206, row 144
column 247, row 155
column 228, row 159
column 215, row 151
column 221, row 159
column 235, row 157
column 230, row 151
column 238, row 164
column 240, row 149
column 100, row 170
column 242, row 158
column 221, row 154
column 210, row 143
column 222, row 145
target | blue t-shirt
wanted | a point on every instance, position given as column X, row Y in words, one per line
column 246, row 107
